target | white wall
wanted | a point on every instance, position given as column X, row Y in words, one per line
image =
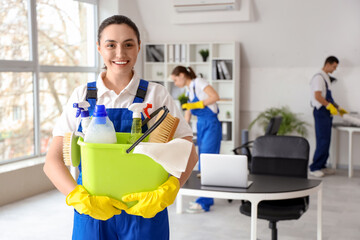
column 283, row 44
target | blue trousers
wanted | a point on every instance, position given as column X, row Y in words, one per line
column 323, row 124
column 122, row 227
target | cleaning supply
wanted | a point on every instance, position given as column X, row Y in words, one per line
column 82, row 110
column 108, row 170
column 173, row 156
column 100, row 129
column 71, row 150
column 98, row 207
column 137, row 108
column 152, row 128
column 150, row 203
column 166, row 130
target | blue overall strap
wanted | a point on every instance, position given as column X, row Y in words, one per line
column 328, row 95
column 91, row 96
column 141, row 91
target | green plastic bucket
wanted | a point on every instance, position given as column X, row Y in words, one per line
column 107, row 170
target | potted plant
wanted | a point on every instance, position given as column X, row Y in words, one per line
column 183, row 98
column 204, row 54
column 291, row 123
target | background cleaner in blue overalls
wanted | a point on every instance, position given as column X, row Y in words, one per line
column 101, row 217
column 324, row 109
column 202, row 104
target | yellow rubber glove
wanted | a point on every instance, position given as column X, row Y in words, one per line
column 98, row 207
column 342, row 111
column 333, row 110
column 194, row 105
column 150, row 203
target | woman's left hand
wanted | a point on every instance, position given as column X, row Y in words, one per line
column 150, row 203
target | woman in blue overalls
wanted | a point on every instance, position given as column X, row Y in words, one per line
column 202, row 104
column 100, row 217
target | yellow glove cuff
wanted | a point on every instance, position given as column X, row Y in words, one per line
column 76, row 193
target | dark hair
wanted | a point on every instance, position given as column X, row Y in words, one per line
column 331, row 60
column 187, row 71
column 118, row 19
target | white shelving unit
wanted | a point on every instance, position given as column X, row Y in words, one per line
column 162, row 58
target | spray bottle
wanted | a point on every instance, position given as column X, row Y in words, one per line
column 82, row 109
column 100, row 129
column 137, row 108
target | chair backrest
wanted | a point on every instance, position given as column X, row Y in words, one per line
column 273, row 126
column 280, row 155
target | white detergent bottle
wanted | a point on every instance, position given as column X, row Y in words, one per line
column 100, row 129
column 137, row 108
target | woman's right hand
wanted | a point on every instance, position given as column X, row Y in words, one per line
column 98, row 207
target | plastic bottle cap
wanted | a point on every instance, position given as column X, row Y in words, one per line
column 100, row 111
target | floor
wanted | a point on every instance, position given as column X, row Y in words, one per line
column 46, row 216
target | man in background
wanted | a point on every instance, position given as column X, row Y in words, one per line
column 324, row 109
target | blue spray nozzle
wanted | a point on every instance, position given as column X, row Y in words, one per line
column 82, row 108
column 78, row 111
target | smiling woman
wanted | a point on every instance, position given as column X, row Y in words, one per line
column 118, row 87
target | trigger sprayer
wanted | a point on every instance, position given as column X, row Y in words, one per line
column 82, row 109
column 137, row 108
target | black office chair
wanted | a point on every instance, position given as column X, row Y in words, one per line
column 280, row 156
column 271, row 129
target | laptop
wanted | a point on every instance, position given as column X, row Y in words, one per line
column 224, row 171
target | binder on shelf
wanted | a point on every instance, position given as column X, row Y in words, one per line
column 226, row 130
column 177, row 53
column 157, row 53
column 220, row 70
column 214, row 71
column 149, row 56
column 183, row 53
column 225, row 70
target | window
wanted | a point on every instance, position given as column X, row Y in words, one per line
column 47, row 48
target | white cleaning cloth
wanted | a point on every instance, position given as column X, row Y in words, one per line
column 172, row 156
column 351, row 119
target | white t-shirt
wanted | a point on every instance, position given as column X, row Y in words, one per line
column 317, row 83
column 156, row 94
column 200, row 85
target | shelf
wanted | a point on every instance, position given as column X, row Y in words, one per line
column 230, row 101
column 199, row 63
column 223, row 57
column 230, row 81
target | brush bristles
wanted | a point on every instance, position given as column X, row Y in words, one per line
column 166, row 130
column 67, row 148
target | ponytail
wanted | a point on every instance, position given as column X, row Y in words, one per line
column 187, row 71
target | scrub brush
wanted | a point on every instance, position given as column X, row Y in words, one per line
column 166, row 130
column 71, row 150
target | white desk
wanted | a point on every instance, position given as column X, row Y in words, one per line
column 334, row 157
column 263, row 188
